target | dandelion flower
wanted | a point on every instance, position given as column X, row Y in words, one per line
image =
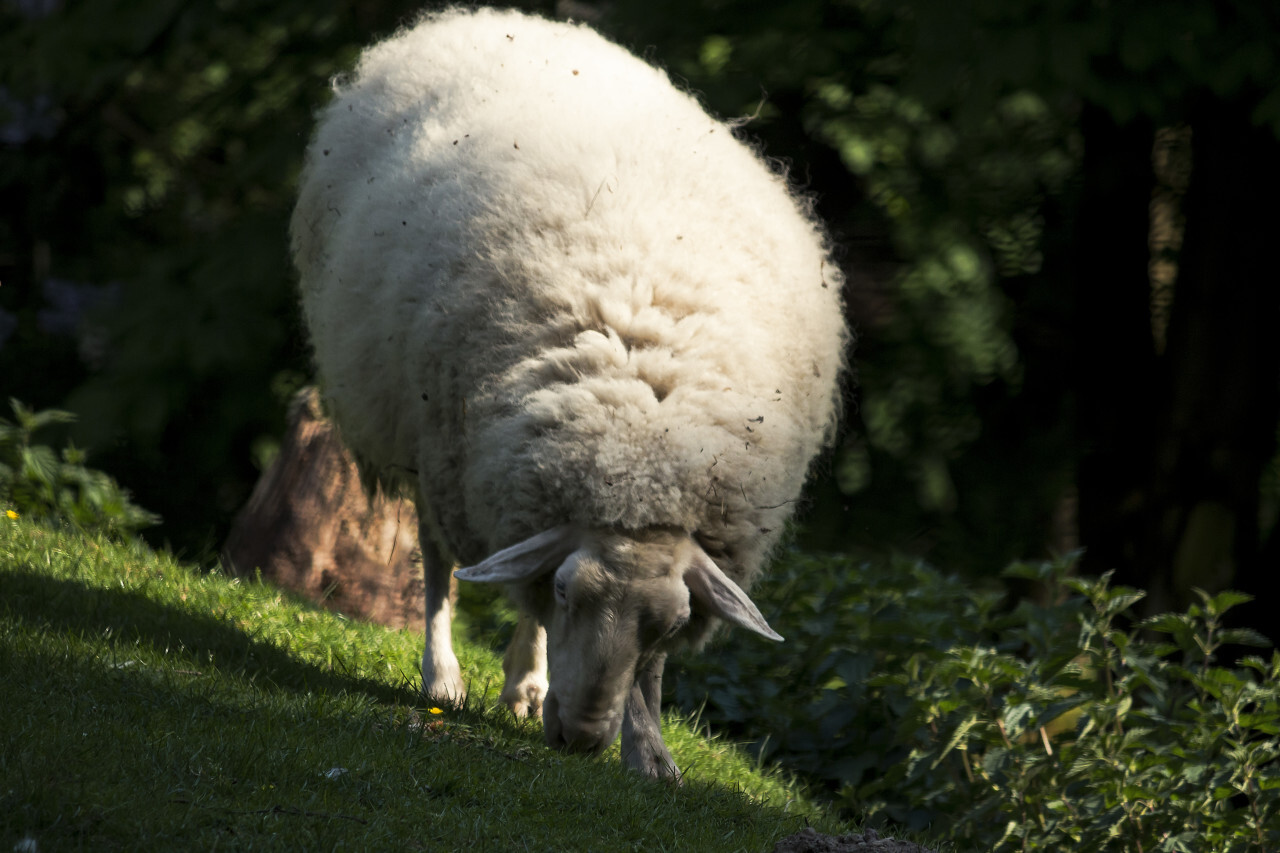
column 434, row 711
column 11, row 513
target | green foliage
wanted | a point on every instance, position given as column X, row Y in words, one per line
column 943, row 212
column 963, row 199
column 149, row 705
column 1051, row 726
column 166, row 165
column 809, row 701
column 1131, row 59
column 1078, row 732
column 945, row 143
column 159, row 144
column 38, row 482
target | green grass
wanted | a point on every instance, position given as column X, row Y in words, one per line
column 149, row 705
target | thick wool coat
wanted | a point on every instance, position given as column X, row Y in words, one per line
column 544, row 286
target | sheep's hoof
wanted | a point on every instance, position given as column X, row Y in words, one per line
column 525, row 697
column 649, row 757
column 445, row 694
column 442, row 684
column 659, row 767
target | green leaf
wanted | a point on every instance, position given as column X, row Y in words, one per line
column 956, row 737
column 1244, row 637
column 41, row 464
column 1224, row 601
column 1193, row 772
column 1137, row 792
column 1167, row 622
column 1122, row 598
column 1015, row 715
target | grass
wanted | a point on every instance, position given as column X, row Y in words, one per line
column 149, row 705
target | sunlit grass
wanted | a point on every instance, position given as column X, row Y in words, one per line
column 151, row 705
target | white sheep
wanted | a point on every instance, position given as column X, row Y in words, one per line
column 594, row 336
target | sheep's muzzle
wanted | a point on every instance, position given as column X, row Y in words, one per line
column 570, row 733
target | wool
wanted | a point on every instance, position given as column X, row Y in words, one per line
column 544, row 286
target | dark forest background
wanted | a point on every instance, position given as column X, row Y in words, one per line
column 1057, row 219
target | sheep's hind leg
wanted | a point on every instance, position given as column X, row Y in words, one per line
column 441, row 675
column 642, row 747
column 525, row 666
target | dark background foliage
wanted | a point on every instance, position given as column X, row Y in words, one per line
column 1057, row 222
column 922, row 700
column 1056, row 219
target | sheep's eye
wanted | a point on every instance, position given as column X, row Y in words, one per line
column 561, row 591
column 676, row 627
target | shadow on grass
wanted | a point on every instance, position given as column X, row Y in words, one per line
column 204, row 639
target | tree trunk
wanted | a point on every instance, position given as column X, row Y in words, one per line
column 1179, row 419
column 1216, row 431
column 309, row 527
column 1113, row 355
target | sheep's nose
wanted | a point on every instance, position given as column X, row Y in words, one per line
column 569, row 734
column 586, row 737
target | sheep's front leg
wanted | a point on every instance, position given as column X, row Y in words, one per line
column 642, row 747
column 441, row 675
column 525, row 666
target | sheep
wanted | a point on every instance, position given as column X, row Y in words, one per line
column 595, row 336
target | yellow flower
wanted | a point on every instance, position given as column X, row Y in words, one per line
column 11, row 513
column 434, row 711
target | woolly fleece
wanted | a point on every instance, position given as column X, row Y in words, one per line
column 544, row 281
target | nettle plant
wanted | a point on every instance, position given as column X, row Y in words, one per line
column 37, row 481
column 1082, row 728
column 1050, row 726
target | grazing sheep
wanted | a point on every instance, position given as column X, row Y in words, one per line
column 593, row 335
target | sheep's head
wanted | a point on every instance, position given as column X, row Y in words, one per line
column 611, row 602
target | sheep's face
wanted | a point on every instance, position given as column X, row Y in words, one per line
column 611, row 602
column 615, row 603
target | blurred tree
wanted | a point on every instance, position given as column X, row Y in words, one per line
column 1031, row 375
column 1175, row 381
column 148, row 152
column 942, row 226
column 1029, row 379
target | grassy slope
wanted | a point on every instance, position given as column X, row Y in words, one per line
column 145, row 704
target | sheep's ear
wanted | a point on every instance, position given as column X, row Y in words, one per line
column 715, row 591
column 525, row 561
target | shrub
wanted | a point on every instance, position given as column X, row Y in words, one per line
column 915, row 698
column 41, row 483
column 809, row 703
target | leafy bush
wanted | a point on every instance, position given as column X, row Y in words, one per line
column 38, row 482
column 916, row 699
column 809, row 702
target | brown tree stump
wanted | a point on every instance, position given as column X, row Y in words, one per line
column 310, row 528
